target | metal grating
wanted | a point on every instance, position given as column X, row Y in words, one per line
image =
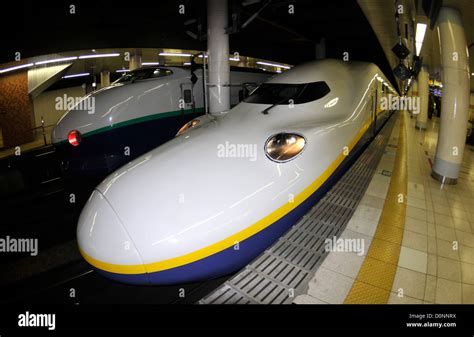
column 283, row 271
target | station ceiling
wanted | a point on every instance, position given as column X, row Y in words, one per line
column 377, row 13
column 38, row 28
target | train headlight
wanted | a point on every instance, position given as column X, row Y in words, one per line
column 187, row 126
column 74, row 137
column 283, row 147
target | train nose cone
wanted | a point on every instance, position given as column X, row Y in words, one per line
column 105, row 244
column 56, row 134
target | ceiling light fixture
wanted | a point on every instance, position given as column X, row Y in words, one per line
column 420, row 35
column 56, row 60
column 175, row 54
column 273, row 65
column 16, row 67
column 76, row 75
column 98, row 55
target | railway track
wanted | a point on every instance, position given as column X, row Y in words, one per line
column 77, row 284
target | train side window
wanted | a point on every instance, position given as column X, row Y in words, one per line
column 143, row 74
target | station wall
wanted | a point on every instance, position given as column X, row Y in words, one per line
column 16, row 109
column 45, row 104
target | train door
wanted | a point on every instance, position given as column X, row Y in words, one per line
column 187, row 102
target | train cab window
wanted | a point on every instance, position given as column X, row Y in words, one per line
column 280, row 93
column 143, row 74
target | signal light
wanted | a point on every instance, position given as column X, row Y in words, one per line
column 187, row 126
column 74, row 137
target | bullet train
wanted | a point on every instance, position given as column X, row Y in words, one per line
column 226, row 187
column 138, row 112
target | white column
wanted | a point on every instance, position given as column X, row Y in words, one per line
column 135, row 60
column 423, row 92
column 455, row 102
column 104, row 78
column 218, row 50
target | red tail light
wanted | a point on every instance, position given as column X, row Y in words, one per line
column 74, row 137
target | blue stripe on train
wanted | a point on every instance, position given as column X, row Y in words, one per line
column 230, row 260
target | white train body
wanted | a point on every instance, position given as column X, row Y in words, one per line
column 212, row 199
column 140, row 111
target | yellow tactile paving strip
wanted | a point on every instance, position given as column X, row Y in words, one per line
column 375, row 279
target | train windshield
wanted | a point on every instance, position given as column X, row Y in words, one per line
column 143, row 74
column 280, row 93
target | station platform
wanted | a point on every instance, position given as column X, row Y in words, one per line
column 416, row 235
column 411, row 240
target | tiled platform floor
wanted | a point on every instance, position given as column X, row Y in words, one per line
column 436, row 261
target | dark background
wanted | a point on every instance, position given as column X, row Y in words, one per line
column 43, row 27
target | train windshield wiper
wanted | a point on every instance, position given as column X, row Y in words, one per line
column 265, row 111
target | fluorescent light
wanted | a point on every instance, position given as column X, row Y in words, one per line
column 420, row 35
column 98, row 55
column 175, row 54
column 420, row 32
column 418, row 47
column 56, row 60
column 16, row 67
column 122, row 70
column 273, row 65
column 76, row 75
column 150, row 63
column 230, row 58
column 186, row 63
